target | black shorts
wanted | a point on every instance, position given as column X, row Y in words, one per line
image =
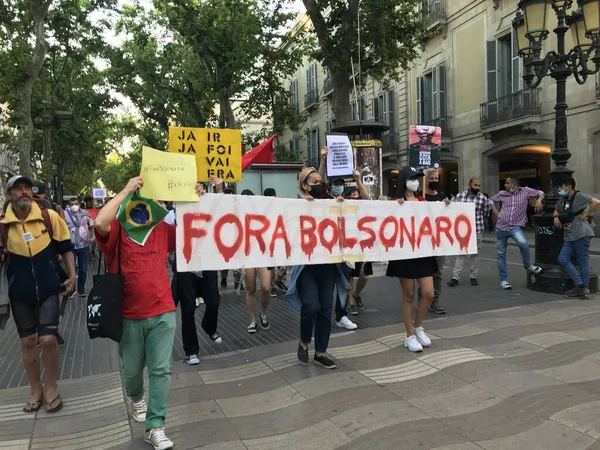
column 368, row 269
column 39, row 318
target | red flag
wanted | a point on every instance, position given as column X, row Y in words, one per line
column 261, row 154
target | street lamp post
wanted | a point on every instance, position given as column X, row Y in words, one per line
column 531, row 30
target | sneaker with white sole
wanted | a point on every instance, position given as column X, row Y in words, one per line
column 346, row 323
column 192, row 360
column 413, row 344
column 252, row 328
column 138, row 410
column 505, row 285
column 158, row 439
column 536, row 270
column 216, row 338
column 422, row 337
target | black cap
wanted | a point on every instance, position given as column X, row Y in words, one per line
column 11, row 182
column 38, row 188
column 410, row 172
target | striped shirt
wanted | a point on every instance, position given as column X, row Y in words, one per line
column 514, row 207
column 482, row 207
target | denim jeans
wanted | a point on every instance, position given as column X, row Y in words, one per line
column 148, row 342
column 502, row 236
column 82, row 256
column 581, row 248
column 315, row 287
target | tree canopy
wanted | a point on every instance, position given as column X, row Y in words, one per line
column 391, row 36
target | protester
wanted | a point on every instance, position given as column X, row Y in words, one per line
column 511, row 220
column 482, row 212
column 264, row 274
column 277, row 273
column 187, row 287
column 32, row 246
column 82, row 236
column 40, row 194
column 148, row 311
column 432, row 195
column 224, row 273
column 311, row 287
column 408, row 270
column 336, row 188
column 571, row 214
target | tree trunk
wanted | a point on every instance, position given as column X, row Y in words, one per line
column 39, row 9
column 226, row 117
column 341, row 99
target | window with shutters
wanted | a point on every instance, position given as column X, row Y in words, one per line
column 311, row 78
column 431, row 97
column 313, row 139
column 504, row 67
column 294, row 94
column 383, row 109
column 294, row 145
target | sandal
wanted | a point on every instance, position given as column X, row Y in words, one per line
column 57, row 407
column 31, row 407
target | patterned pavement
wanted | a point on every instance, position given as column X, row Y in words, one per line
column 525, row 377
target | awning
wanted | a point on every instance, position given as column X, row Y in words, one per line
column 262, row 153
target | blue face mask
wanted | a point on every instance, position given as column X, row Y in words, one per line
column 337, row 191
column 563, row 193
column 511, row 191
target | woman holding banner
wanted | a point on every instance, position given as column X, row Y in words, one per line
column 409, row 270
column 311, row 287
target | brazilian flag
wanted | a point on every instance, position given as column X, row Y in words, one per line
column 139, row 216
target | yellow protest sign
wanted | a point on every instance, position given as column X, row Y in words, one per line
column 218, row 152
column 168, row 176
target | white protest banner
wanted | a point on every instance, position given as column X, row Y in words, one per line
column 232, row 231
column 340, row 156
column 99, row 193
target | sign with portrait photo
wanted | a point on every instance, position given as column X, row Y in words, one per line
column 424, row 149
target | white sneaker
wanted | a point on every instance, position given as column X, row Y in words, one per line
column 422, row 337
column 346, row 323
column 138, row 410
column 192, row 360
column 199, row 301
column 413, row 344
column 158, row 439
column 505, row 285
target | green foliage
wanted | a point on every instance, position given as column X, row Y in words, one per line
column 391, row 37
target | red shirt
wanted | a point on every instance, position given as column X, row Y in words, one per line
column 147, row 285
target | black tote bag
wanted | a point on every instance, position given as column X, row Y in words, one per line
column 105, row 302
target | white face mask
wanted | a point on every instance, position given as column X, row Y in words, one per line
column 412, row 185
column 75, row 208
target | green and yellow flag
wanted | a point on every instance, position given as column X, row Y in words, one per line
column 139, row 216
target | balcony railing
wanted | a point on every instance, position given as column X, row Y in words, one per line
column 444, row 123
column 311, row 98
column 433, row 11
column 511, row 107
column 328, row 86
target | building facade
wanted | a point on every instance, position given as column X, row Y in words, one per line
column 469, row 82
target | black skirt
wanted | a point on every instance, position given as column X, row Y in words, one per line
column 412, row 268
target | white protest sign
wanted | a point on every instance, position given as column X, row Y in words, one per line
column 99, row 193
column 340, row 157
column 232, row 231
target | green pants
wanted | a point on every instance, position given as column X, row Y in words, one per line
column 148, row 342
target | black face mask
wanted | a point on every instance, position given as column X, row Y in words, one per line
column 433, row 185
column 316, row 190
column 475, row 191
